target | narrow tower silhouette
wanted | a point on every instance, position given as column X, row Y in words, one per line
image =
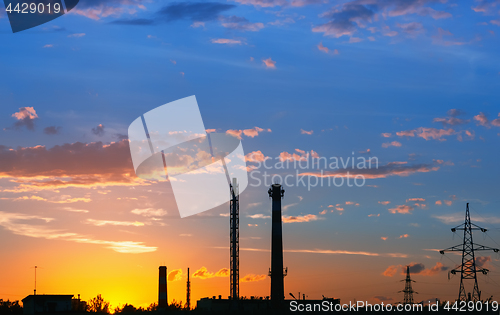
column 276, row 272
column 188, row 293
column 468, row 268
column 408, row 291
column 162, row 288
column 234, row 237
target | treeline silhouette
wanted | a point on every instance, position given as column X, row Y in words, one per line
column 97, row 305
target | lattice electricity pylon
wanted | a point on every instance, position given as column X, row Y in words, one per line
column 188, row 292
column 235, row 241
column 468, row 267
column 408, row 291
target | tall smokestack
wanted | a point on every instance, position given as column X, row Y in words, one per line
column 276, row 272
column 162, row 288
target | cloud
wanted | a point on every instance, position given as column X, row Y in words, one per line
column 459, row 217
column 175, row 275
column 69, row 165
column 415, row 268
column 25, row 118
column 305, row 132
column 391, row 144
column 486, row 7
column 404, row 236
column 390, row 271
column 240, row 24
column 99, row 130
column 226, row 41
column 383, row 171
column 97, row 9
column 269, row 63
column 252, row 278
column 304, row 218
column 384, row 238
column 150, row 212
column 10, row 221
column 440, row 39
column 346, row 18
column 52, row 130
column 411, row 29
column 203, row 273
column 482, row 120
column 48, row 46
column 415, row 199
column 323, row 48
column 387, row 135
column 116, row 223
column 452, row 119
column 252, row 132
column 384, row 202
column 403, row 209
column 259, row 216
column 427, row 133
column 77, row 35
column 255, row 156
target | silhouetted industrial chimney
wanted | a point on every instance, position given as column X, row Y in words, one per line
column 162, row 288
column 276, row 272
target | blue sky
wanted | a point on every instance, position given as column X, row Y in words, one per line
column 348, row 73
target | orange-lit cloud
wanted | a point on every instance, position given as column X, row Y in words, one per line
column 25, row 118
column 391, row 144
column 76, row 164
column 404, row 209
column 384, row 202
column 203, row 273
column 415, row 199
column 23, row 224
column 305, row 132
column 322, row 48
column 175, row 275
column 383, row 171
column 111, row 222
column 255, row 156
column 384, row 238
column 271, row 64
column 427, row 133
column 404, row 236
column 304, row 218
column 252, row 132
column 252, row 278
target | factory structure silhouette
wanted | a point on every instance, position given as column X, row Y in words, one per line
column 275, row 303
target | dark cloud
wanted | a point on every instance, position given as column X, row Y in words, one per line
column 85, row 4
column 346, row 18
column 25, row 118
column 345, row 21
column 417, row 268
column 240, row 23
column 121, row 137
column 52, row 130
column 195, row 11
column 99, row 130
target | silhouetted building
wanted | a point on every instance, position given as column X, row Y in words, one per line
column 276, row 272
column 47, row 303
column 162, row 288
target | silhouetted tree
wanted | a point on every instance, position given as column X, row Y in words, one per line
column 175, row 306
column 153, row 307
column 8, row 307
column 98, row 305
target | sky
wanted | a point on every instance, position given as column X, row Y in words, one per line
column 413, row 85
